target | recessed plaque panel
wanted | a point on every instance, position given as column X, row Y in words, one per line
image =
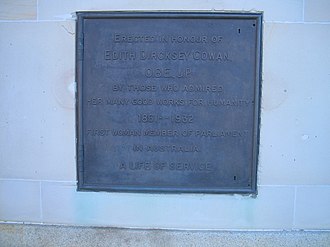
column 168, row 102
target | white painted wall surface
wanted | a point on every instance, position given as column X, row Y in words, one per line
column 37, row 124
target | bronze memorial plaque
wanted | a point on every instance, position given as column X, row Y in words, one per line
column 168, row 101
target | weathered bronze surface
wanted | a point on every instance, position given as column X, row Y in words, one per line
column 168, row 102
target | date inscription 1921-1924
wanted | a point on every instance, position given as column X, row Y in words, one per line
column 168, row 102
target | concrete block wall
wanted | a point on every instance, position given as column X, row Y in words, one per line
column 37, row 124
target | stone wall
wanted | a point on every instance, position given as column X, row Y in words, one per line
column 37, row 119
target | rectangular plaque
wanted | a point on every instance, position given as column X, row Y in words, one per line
column 168, row 102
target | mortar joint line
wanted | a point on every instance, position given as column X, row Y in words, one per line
column 40, row 201
column 294, row 207
column 303, row 11
column 37, row 10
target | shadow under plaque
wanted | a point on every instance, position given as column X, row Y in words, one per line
column 167, row 101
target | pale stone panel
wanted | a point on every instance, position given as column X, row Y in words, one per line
column 37, row 116
column 275, row 10
column 317, row 10
column 18, row 9
column 295, row 118
column 19, row 201
column 312, row 208
column 272, row 209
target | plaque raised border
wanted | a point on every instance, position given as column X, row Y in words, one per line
column 249, row 187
